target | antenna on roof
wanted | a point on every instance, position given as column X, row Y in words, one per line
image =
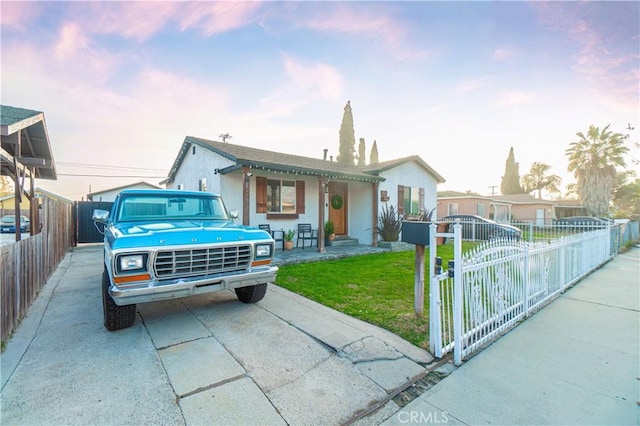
column 225, row 136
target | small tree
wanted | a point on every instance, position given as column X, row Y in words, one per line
column 537, row 179
column 5, row 186
column 373, row 157
column 626, row 196
column 347, row 136
column 361, row 153
column 511, row 180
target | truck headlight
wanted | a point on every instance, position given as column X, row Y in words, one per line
column 263, row 250
column 131, row 262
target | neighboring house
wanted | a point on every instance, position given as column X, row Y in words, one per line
column 474, row 204
column 283, row 190
column 7, row 203
column 525, row 207
column 567, row 208
column 110, row 194
column 501, row 208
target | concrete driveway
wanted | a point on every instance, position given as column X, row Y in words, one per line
column 199, row 360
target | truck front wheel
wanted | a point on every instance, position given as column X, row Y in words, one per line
column 115, row 317
column 251, row 294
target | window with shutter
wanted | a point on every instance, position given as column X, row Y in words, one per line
column 280, row 199
column 299, row 196
column 261, row 194
column 400, row 200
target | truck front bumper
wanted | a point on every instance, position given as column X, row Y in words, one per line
column 183, row 287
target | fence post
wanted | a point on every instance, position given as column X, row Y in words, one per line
column 457, row 294
column 527, row 278
column 18, row 280
column 435, row 320
column 563, row 273
column 418, row 284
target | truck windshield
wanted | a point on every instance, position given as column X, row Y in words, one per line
column 137, row 207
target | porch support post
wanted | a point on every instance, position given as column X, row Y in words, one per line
column 374, row 214
column 322, row 185
column 17, row 198
column 33, row 206
column 246, row 194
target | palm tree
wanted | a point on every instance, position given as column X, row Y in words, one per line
column 593, row 160
column 537, row 179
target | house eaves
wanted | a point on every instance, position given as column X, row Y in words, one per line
column 378, row 168
column 272, row 161
column 25, row 138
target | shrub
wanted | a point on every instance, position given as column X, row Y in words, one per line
column 389, row 224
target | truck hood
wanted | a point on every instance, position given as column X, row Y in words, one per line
column 170, row 233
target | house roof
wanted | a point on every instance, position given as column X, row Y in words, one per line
column 503, row 199
column 120, row 188
column 521, row 199
column 25, row 137
column 569, row 203
column 378, row 168
column 273, row 161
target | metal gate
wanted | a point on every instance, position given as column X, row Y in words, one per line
column 86, row 231
column 490, row 289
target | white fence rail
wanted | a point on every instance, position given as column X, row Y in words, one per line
column 488, row 290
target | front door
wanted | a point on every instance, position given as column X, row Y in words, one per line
column 338, row 207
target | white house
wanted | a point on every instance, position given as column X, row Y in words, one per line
column 110, row 194
column 283, row 190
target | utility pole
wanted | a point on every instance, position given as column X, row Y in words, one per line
column 493, row 189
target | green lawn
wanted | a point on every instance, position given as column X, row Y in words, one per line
column 377, row 288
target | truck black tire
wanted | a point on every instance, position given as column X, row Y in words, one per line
column 115, row 317
column 251, row 294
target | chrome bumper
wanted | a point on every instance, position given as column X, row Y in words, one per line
column 173, row 289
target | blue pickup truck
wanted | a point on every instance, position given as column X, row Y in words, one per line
column 165, row 244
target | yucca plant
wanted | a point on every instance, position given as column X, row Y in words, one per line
column 389, row 224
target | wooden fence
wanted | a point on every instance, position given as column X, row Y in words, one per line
column 26, row 265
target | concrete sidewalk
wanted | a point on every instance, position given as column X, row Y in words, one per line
column 200, row 360
column 574, row 362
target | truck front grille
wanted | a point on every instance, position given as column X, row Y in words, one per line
column 189, row 263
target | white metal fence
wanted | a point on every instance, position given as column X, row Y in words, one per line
column 489, row 289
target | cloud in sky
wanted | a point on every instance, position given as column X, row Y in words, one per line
column 301, row 84
column 425, row 78
column 503, row 53
column 473, row 85
column 606, row 54
column 509, row 99
column 375, row 23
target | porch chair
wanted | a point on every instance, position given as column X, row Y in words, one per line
column 306, row 233
column 276, row 235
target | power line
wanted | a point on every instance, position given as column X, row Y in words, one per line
column 102, row 166
column 111, row 176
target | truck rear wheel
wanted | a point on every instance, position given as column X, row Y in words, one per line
column 251, row 294
column 115, row 317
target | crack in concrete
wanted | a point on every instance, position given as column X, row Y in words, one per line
column 213, row 385
column 370, row 348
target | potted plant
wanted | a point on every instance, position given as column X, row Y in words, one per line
column 329, row 233
column 288, row 239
